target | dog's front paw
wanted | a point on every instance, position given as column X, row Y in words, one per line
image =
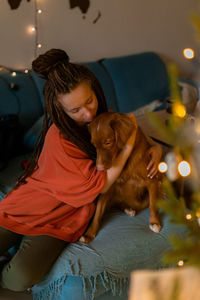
column 129, row 211
column 86, row 238
column 83, row 239
column 155, row 227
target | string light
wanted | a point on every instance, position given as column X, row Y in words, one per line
column 37, row 44
column 162, row 167
column 188, row 53
column 180, row 263
column 31, row 29
column 184, row 168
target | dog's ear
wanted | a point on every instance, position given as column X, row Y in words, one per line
column 123, row 125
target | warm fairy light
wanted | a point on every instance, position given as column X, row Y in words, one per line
column 39, row 11
column 31, row 29
column 188, row 217
column 13, row 74
column 26, row 71
column 184, row 168
column 162, row 167
column 188, row 53
column 179, row 110
column 39, row 45
column 180, row 263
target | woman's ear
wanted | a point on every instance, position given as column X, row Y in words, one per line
column 123, row 125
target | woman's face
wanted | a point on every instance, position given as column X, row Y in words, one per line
column 80, row 104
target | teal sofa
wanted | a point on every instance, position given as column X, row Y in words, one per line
column 99, row 270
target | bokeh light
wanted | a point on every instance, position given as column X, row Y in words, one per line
column 180, row 263
column 188, row 53
column 184, row 168
column 179, row 110
column 162, row 167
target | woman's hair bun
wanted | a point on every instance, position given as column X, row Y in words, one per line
column 46, row 62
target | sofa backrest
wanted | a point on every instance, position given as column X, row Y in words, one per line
column 128, row 82
column 19, row 95
column 106, row 83
column 138, row 79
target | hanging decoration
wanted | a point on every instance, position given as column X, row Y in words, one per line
column 14, row 4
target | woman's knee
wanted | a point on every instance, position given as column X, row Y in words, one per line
column 17, row 278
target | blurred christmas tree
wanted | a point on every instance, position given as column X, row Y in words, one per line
column 182, row 166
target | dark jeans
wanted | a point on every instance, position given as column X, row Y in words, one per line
column 34, row 258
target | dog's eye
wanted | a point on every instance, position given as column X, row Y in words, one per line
column 108, row 142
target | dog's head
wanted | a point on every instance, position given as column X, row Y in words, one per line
column 109, row 133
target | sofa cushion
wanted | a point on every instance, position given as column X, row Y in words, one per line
column 123, row 244
column 152, row 106
column 106, row 84
column 19, row 95
column 39, row 82
column 32, row 134
column 138, row 79
column 10, row 174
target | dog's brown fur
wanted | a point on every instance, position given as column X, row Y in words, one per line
column 133, row 190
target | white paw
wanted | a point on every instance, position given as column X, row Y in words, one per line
column 82, row 239
column 129, row 211
column 155, row 227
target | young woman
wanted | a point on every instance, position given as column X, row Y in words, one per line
column 54, row 200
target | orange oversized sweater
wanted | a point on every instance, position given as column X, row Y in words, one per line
column 58, row 198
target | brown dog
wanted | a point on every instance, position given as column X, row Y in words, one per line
column 133, row 190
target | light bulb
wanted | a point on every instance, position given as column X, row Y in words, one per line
column 188, row 53
column 184, row 168
column 39, row 11
column 180, row 263
column 39, row 45
column 188, row 217
column 31, row 29
column 13, row 74
column 162, row 167
column 26, row 71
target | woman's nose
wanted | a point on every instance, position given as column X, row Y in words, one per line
column 88, row 114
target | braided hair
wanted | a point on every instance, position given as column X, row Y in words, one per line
column 62, row 77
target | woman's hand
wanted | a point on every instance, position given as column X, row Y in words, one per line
column 156, row 153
